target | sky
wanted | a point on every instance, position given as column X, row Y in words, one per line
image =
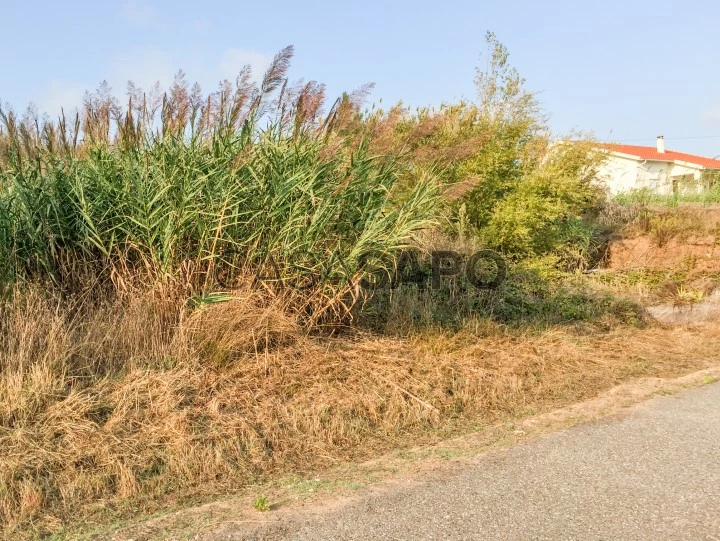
column 625, row 71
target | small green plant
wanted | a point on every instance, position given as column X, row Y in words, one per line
column 262, row 504
column 663, row 228
column 687, row 297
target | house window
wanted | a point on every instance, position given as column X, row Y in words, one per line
column 683, row 184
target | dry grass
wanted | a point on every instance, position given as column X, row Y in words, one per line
column 131, row 406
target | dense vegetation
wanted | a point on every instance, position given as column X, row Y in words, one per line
column 214, row 188
column 161, row 263
column 202, row 192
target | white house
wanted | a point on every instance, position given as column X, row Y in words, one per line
column 630, row 167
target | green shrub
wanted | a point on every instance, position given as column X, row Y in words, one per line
column 507, row 184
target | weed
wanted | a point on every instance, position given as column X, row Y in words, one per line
column 687, row 297
column 261, row 504
column 663, row 228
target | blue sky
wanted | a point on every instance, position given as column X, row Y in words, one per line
column 627, row 71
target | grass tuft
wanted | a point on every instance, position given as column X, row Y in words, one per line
column 261, row 504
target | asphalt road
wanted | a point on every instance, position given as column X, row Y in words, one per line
column 652, row 473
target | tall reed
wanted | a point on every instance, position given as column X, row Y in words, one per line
column 203, row 190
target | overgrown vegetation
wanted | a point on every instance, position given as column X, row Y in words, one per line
column 207, row 191
column 663, row 255
column 133, row 406
column 165, row 266
column 706, row 191
column 201, row 192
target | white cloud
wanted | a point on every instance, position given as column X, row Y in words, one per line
column 61, row 96
column 712, row 116
column 142, row 66
column 235, row 59
column 145, row 66
column 137, row 13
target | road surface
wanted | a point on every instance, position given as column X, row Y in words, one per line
column 652, row 473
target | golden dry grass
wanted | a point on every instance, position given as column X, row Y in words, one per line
column 132, row 406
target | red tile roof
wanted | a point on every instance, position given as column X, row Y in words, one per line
column 651, row 153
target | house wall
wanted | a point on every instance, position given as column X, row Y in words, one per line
column 620, row 174
column 655, row 176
